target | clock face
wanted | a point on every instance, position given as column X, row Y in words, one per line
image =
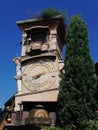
column 39, row 75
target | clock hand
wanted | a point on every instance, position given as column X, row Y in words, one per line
column 37, row 75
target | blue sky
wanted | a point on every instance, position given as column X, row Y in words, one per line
column 10, row 35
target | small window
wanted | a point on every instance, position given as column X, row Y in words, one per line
column 38, row 37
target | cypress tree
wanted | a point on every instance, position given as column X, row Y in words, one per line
column 76, row 103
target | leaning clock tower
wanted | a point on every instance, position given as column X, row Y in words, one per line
column 39, row 66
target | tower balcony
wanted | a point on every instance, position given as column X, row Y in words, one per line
column 38, row 46
column 33, row 47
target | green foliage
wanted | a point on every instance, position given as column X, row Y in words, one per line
column 77, row 87
column 92, row 125
column 51, row 128
column 57, row 128
column 49, row 13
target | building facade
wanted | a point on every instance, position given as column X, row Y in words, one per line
column 38, row 71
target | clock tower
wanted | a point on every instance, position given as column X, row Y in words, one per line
column 39, row 66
